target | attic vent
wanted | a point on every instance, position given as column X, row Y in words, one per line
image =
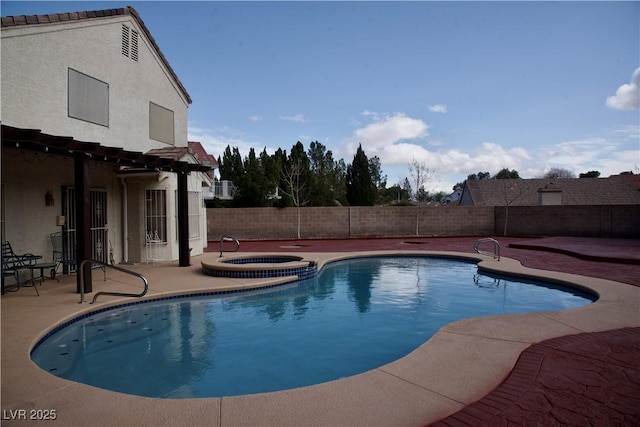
column 129, row 43
column 125, row 41
column 134, row 45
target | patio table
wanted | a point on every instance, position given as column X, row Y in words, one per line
column 27, row 262
column 42, row 267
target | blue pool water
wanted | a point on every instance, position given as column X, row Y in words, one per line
column 356, row 315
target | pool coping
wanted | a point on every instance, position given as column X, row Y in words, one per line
column 460, row 364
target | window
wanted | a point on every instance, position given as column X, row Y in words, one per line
column 161, row 124
column 156, row 214
column 88, row 98
column 194, row 199
column 194, row 214
column 129, row 43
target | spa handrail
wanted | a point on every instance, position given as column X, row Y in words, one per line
column 496, row 247
column 228, row 238
column 117, row 294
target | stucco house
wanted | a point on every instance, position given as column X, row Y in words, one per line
column 453, row 198
column 94, row 141
column 615, row 190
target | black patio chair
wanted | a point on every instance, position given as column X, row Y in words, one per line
column 13, row 264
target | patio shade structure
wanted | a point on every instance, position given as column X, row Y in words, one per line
column 84, row 152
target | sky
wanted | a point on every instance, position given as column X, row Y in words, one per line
column 459, row 87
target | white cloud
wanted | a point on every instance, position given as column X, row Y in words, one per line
column 628, row 133
column 298, row 118
column 608, row 155
column 398, row 140
column 627, row 96
column 386, row 131
column 439, row 108
column 373, row 115
column 255, row 118
column 487, row 156
column 454, row 165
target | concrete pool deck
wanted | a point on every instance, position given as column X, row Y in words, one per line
column 458, row 376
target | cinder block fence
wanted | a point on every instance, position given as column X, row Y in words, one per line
column 620, row 221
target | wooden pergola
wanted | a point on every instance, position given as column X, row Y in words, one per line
column 84, row 152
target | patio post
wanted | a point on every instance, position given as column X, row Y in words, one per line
column 183, row 220
column 83, row 221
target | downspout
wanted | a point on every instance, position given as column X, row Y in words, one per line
column 125, row 222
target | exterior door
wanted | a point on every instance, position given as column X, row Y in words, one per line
column 99, row 225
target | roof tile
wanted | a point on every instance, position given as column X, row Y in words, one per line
column 614, row 190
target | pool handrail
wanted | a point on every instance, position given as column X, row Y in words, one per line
column 228, row 238
column 117, row 294
column 496, row 247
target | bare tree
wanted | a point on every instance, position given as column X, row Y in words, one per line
column 421, row 176
column 296, row 186
column 511, row 192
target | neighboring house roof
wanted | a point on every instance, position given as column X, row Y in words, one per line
column 633, row 180
column 575, row 191
column 53, row 18
column 453, row 197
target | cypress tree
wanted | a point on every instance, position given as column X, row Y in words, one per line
column 361, row 191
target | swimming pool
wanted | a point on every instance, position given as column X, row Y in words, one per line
column 355, row 316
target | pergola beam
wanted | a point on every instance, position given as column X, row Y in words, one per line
column 34, row 140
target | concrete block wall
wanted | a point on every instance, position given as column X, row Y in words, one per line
column 625, row 221
column 614, row 221
column 349, row 222
column 457, row 221
column 622, row 221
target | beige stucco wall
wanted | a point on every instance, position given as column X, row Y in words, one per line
column 137, row 184
column 26, row 178
column 35, row 62
column 28, row 175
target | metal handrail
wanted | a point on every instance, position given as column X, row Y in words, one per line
column 117, row 294
column 496, row 247
column 228, row 238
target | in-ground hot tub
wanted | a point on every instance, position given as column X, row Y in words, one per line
column 261, row 266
